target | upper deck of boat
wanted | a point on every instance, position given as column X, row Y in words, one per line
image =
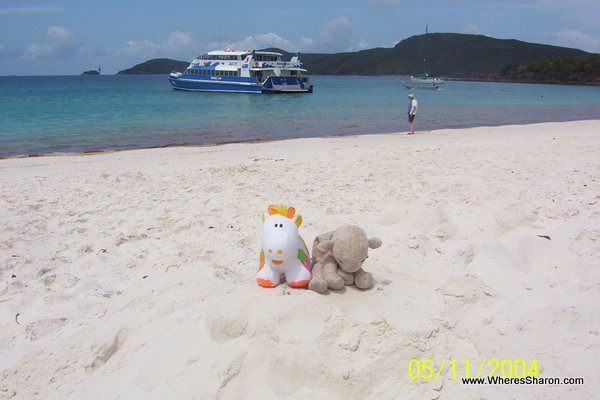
column 235, row 54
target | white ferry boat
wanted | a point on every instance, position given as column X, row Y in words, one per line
column 243, row 72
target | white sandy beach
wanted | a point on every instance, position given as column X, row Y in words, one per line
column 132, row 273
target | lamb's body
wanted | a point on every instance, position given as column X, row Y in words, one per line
column 338, row 257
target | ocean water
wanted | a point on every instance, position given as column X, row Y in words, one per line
column 40, row 115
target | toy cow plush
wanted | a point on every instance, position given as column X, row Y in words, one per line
column 283, row 250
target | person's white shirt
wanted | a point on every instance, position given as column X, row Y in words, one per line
column 414, row 106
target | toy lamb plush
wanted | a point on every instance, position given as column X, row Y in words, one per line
column 338, row 257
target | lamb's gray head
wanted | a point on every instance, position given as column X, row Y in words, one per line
column 350, row 247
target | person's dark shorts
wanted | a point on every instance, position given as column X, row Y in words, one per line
column 411, row 118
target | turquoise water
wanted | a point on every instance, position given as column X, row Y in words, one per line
column 84, row 113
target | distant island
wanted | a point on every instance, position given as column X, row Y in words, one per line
column 452, row 55
column 156, row 66
column 90, row 72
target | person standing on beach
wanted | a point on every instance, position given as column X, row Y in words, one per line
column 412, row 111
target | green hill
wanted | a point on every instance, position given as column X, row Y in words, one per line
column 450, row 55
column 156, row 66
column 581, row 69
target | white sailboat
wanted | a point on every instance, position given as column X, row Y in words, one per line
column 424, row 80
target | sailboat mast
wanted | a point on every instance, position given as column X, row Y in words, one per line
column 426, row 45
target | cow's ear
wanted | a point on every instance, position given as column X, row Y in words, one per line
column 272, row 210
column 291, row 211
column 298, row 220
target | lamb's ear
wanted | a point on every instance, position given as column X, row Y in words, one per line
column 325, row 246
column 374, row 243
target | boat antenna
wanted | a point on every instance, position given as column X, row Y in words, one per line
column 230, row 45
column 221, row 35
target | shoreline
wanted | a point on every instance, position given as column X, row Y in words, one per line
column 109, row 150
column 534, row 82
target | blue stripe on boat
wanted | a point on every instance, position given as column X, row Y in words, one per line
column 215, row 86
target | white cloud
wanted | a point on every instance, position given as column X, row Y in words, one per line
column 578, row 39
column 62, row 45
column 177, row 43
column 58, row 33
column 36, row 51
column 30, row 10
column 306, row 41
column 361, row 45
column 179, row 39
column 260, row 41
column 138, row 47
column 338, row 35
column 471, row 28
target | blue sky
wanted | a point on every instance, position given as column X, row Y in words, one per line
column 67, row 37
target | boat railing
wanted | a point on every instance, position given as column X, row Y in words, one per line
column 277, row 64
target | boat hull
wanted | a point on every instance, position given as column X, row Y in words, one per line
column 273, row 84
column 423, row 83
column 196, row 85
column 287, row 84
